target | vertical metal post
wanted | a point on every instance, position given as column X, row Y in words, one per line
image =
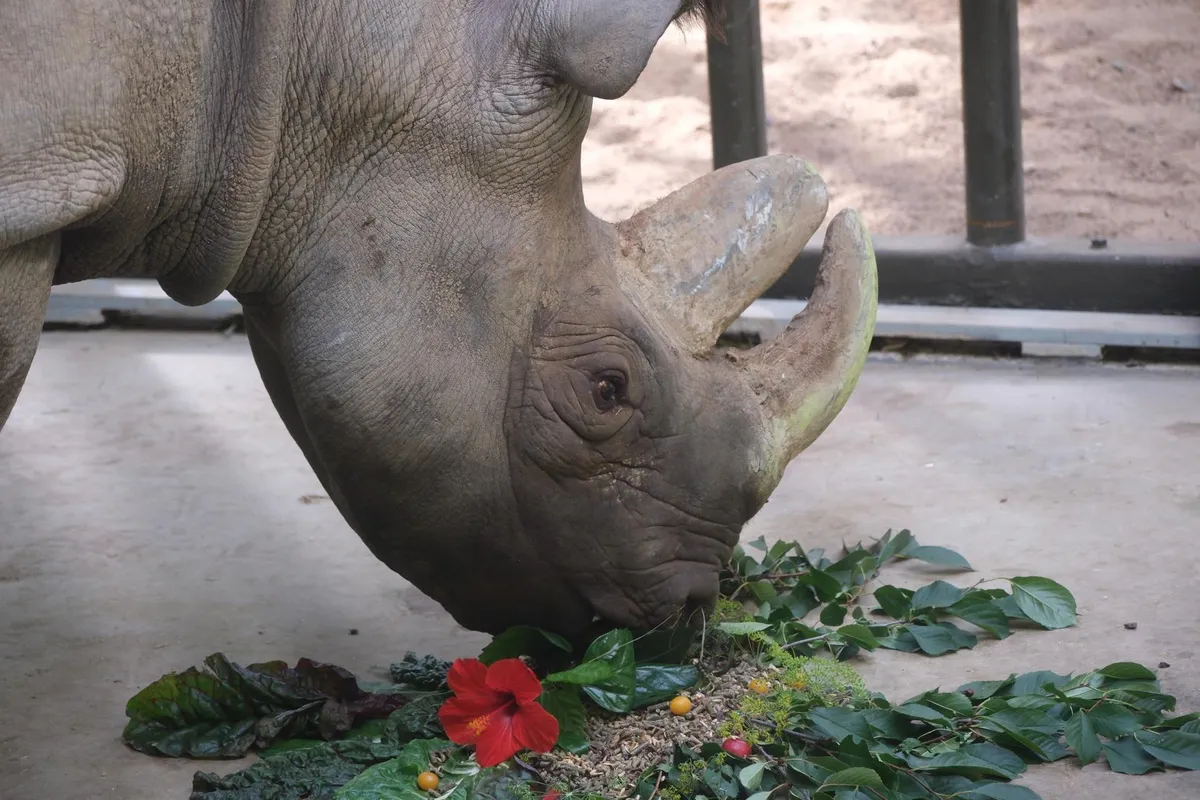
column 735, row 87
column 991, row 85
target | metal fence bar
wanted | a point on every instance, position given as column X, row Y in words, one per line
column 1059, row 274
column 140, row 299
column 991, row 101
column 735, row 88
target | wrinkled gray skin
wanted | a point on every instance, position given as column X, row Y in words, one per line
column 506, row 398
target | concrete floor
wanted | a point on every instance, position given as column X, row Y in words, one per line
column 152, row 512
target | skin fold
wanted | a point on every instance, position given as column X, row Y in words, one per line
column 514, row 404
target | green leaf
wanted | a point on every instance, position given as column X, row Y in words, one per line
column 942, row 638
column 395, row 779
column 759, row 796
column 1150, row 702
column 523, row 640
column 1045, row 602
column 780, row 549
column 922, row 712
column 839, row 723
column 982, row 690
column 763, row 591
column 742, row 628
column 854, row 776
column 315, row 771
column 1020, row 718
column 1034, row 682
column 1040, row 746
column 1128, row 757
column 800, row 601
column 417, row 720
column 982, row 611
column 616, row 692
column 1128, row 671
column 564, row 704
column 833, row 614
column 887, row 724
column 1112, row 720
column 657, row 682
column 1008, row 605
column 860, row 634
column 1081, row 736
column 900, row 639
column 938, row 594
column 1186, row 722
column 225, row 711
column 586, row 674
column 1001, row 791
column 952, row 703
column 973, row 760
column 1177, row 748
column 826, row 586
column 890, row 546
column 751, row 776
column 941, row 556
column 894, row 602
column 426, row 672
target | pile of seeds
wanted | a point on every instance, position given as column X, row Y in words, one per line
column 625, row 745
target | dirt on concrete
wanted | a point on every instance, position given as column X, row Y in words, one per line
column 154, row 510
column 870, row 92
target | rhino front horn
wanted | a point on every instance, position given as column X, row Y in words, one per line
column 804, row 376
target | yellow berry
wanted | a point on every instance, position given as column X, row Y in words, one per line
column 680, row 706
column 759, row 685
column 427, row 781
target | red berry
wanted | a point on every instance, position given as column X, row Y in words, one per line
column 736, row 747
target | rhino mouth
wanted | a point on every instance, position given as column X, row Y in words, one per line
column 681, row 592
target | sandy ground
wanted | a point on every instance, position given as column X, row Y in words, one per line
column 153, row 510
column 869, row 91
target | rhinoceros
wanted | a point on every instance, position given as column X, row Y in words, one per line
column 518, row 407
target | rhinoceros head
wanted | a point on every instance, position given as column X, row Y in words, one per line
column 519, row 406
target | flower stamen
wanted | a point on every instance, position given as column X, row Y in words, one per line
column 478, row 725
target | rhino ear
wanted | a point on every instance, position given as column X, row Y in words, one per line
column 601, row 46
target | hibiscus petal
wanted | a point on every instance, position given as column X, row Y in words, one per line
column 497, row 743
column 468, row 680
column 535, row 728
column 455, row 717
column 510, row 675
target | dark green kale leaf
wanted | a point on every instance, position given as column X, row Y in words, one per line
column 316, row 770
column 227, row 710
column 427, row 672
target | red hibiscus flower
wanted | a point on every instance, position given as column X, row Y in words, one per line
column 495, row 708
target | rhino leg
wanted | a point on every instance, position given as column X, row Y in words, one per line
column 26, row 275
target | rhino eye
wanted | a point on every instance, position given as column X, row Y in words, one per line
column 609, row 391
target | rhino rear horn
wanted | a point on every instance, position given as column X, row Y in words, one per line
column 601, row 46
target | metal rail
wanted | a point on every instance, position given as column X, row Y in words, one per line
column 994, row 266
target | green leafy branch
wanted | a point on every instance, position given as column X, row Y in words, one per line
column 938, row 745
column 789, row 585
